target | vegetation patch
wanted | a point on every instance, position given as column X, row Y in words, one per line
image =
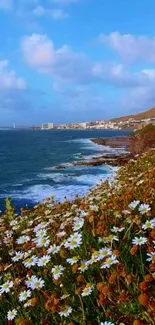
column 91, row 261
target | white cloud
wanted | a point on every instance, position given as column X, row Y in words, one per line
column 8, row 78
column 56, row 14
column 39, row 52
column 129, row 47
column 66, row 66
column 6, row 4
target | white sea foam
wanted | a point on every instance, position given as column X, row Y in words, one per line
column 38, row 193
column 56, row 177
column 90, row 179
column 84, row 183
column 87, row 144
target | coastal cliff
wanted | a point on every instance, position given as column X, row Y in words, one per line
column 87, row 262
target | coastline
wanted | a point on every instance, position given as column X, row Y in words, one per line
column 103, row 243
column 46, row 233
column 75, row 169
column 119, row 157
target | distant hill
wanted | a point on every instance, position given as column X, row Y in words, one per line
column 148, row 114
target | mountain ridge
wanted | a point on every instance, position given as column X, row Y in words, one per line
column 144, row 115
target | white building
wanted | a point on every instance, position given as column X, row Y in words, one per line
column 47, row 126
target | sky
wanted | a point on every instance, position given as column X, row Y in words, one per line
column 68, row 61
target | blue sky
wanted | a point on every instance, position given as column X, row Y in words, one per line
column 75, row 60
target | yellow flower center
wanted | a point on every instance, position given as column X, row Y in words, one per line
column 6, row 286
column 73, row 243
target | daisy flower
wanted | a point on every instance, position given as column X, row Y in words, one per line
column 11, row 314
column 61, row 233
column 72, row 244
column 29, row 281
column 73, row 260
column 73, row 241
column 42, row 241
column 83, row 213
column 78, row 224
column 111, row 238
column 41, row 233
column 117, row 229
column 84, row 266
column 41, row 226
column 17, row 257
column 104, row 252
column 76, row 236
column 57, row 271
column 37, row 283
column 109, row 261
column 94, row 257
column 6, row 287
column 87, row 290
column 139, row 241
column 149, row 224
column 23, row 240
column 134, row 204
column 31, row 261
column 150, row 256
column 44, row 260
column 53, row 249
column 24, row 295
column 27, row 304
column 144, row 208
column 66, row 295
column 66, row 311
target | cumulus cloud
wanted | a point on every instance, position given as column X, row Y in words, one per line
column 71, row 74
column 39, row 52
column 6, row 4
column 9, row 79
column 65, row 65
column 129, row 47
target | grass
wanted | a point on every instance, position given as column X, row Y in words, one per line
column 91, row 261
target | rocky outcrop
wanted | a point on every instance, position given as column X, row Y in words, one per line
column 138, row 143
column 115, row 161
column 113, row 142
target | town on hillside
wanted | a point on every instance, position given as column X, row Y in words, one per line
column 132, row 122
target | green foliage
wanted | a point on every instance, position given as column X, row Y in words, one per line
column 9, row 209
column 148, row 128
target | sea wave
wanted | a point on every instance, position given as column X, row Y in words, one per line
column 82, row 184
column 56, row 177
column 38, row 193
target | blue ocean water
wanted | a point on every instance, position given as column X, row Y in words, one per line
column 28, row 158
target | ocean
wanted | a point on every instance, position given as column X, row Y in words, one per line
column 28, row 159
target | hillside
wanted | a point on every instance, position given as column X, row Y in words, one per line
column 147, row 114
column 87, row 262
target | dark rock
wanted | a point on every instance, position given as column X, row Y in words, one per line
column 113, row 142
column 59, row 167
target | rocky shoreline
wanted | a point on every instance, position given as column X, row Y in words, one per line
column 112, row 159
